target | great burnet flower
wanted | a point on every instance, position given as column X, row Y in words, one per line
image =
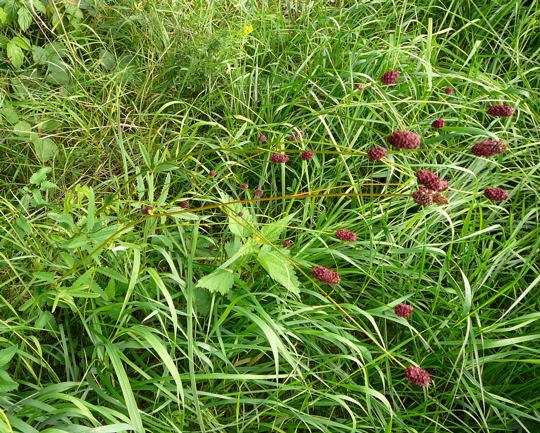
column 448, row 91
column 212, row 173
column 404, row 139
column 346, row 235
column 417, row 375
column 403, row 310
column 306, row 155
column 423, row 196
column 244, row 186
column 390, row 77
column 376, row 153
column 439, row 199
column 279, row 158
column 438, row 123
column 500, row 110
column 184, row 204
column 496, row 194
column 240, row 214
column 488, row 148
column 326, row 275
column 295, row 136
column 431, row 180
column 258, row 192
column 287, row 243
column 147, row 210
column 262, row 138
column 360, row 86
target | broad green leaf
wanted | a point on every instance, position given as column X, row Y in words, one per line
column 3, row 15
column 279, row 268
column 58, row 72
column 9, row 113
column 24, row 18
column 7, row 384
column 114, row 274
column 107, row 59
column 22, row 129
column 40, row 175
column 38, row 6
column 45, row 148
column 221, row 280
column 7, row 354
column 273, row 231
column 22, row 42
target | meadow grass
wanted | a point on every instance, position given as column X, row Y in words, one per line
column 106, row 324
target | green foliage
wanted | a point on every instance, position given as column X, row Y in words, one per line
column 199, row 319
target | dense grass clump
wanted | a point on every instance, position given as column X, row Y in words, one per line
column 269, row 216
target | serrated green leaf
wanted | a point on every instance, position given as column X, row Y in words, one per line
column 273, row 231
column 15, row 54
column 24, row 18
column 107, row 59
column 40, row 175
column 38, row 6
column 7, row 384
column 22, row 42
column 280, row 269
column 9, row 113
column 221, row 280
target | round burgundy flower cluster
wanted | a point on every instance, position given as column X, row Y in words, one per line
column 390, row 77
column 500, row 110
column 423, row 196
column 147, row 210
column 488, row 148
column 258, row 192
column 326, row 275
column 431, row 180
column 279, row 158
column 403, row 310
column 438, row 123
column 404, row 139
column 496, row 194
column 346, row 235
column 184, row 204
column 376, row 153
column 417, row 375
column 306, row 155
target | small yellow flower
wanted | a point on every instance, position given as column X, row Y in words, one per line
column 248, row 30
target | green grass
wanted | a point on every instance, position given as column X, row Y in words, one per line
column 104, row 324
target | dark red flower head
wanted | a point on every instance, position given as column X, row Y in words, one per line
column 417, row 375
column 295, row 136
column 212, row 173
column 244, row 186
column 279, row 158
column 376, row 153
column 448, row 91
column 431, row 180
column 488, row 148
column 147, row 210
column 346, row 235
column 403, row 310
column 404, row 139
column 360, row 86
column 423, row 196
column 390, row 77
column 496, row 194
column 262, row 138
column 306, row 155
column 438, row 123
column 500, row 110
column 184, row 204
column 440, row 199
column 258, row 192
column 240, row 214
column 326, row 275
column 287, row 243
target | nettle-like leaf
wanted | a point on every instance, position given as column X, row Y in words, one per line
column 15, row 50
column 6, row 355
column 7, row 384
column 273, row 231
column 45, row 148
column 221, row 280
column 280, row 268
column 24, row 18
